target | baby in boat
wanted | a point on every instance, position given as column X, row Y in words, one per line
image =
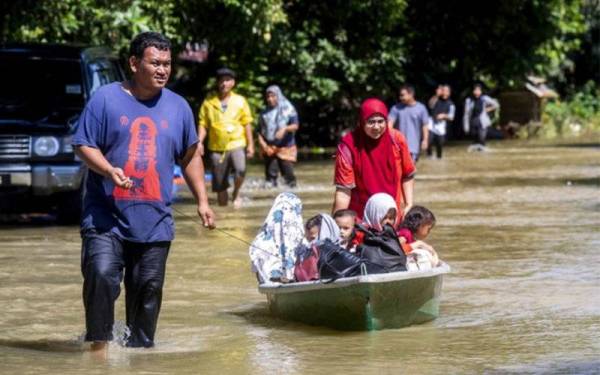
column 413, row 231
column 312, row 228
column 318, row 230
column 346, row 220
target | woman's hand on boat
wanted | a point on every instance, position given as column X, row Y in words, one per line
column 207, row 216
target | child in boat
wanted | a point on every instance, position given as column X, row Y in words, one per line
column 413, row 231
column 380, row 210
column 318, row 230
column 312, row 228
column 380, row 245
column 346, row 219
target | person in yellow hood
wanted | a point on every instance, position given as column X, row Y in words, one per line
column 226, row 120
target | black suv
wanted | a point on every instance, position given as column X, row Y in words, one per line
column 44, row 90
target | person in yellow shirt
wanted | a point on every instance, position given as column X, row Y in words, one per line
column 227, row 121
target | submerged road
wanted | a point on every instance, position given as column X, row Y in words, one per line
column 520, row 227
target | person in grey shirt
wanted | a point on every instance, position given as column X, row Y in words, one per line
column 412, row 119
column 476, row 119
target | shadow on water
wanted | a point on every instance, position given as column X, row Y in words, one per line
column 31, row 220
column 584, row 181
column 49, row 346
column 259, row 315
column 590, row 145
column 525, row 181
column 575, row 367
column 580, row 145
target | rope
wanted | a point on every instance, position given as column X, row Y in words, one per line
column 195, row 218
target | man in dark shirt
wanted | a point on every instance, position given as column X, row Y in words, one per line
column 130, row 135
column 442, row 114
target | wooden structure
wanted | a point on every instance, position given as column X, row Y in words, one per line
column 524, row 106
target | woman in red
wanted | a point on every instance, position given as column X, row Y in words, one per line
column 373, row 159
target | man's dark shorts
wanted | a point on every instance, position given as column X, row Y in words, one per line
column 223, row 163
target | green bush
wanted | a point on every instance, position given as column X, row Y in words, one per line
column 579, row 114
column 327, row 55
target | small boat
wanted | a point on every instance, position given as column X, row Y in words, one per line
column 366, row 302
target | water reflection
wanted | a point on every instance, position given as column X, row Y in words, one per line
column 264, row 350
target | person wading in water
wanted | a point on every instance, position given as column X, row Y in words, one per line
column 226, row 120
column 130, row 135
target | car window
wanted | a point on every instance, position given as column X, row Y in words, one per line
column 101, row 73
column 40, row 89
column 118, row 69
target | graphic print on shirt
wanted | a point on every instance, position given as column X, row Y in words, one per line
column 141, row 163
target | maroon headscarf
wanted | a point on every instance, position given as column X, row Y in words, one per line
column 374, row 165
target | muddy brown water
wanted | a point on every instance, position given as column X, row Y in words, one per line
column 520, row 227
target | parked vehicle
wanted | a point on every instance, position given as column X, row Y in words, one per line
column 44, row 90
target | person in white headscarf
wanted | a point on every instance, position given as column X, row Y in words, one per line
column 273, row 251
column 281, row 239
column 278, row 125
column 380, row 209
column 329, row 230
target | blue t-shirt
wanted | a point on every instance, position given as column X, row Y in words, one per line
column 410, row 119
column 145, row 139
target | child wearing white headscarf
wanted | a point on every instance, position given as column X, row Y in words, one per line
column 380, row 209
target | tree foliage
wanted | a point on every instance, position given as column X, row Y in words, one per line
column 329, row 55
column 497, row 41
column 108, row 22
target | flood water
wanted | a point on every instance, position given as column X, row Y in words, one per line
column 520, row 227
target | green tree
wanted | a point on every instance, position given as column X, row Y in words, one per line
column 327, row 56
column 98, row 22
column 496, row 41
